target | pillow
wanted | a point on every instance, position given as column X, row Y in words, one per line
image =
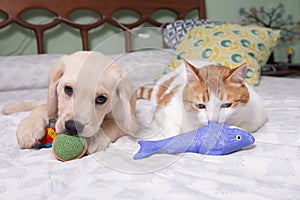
column 175, row 31
column 229, row 45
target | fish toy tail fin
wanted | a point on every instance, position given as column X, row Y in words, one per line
column 147, row 148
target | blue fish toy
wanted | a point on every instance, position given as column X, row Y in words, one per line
column 213, row 139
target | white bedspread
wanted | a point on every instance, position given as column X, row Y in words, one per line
column 270, row 169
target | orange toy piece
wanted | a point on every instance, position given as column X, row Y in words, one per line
column 50, row 134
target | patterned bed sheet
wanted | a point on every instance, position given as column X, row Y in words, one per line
column 270, row 169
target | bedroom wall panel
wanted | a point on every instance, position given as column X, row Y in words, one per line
column 17, row 41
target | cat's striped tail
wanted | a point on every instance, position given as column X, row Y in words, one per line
column 144, row 93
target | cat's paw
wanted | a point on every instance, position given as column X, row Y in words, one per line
column 30, row 130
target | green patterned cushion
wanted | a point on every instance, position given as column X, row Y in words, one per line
column 229, row 45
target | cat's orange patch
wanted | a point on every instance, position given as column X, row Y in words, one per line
column 167, row 97
column 165, row 94
column 164, row 87
column 194, row 93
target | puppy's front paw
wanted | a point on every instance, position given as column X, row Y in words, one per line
column 98, row 142
column 30, row 131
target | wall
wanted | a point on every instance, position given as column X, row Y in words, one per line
column 17, row 41
column 228, row 11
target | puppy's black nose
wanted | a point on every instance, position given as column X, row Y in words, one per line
column 73, row 127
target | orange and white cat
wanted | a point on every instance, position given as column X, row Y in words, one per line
column 186, row 98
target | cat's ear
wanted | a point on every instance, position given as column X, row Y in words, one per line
column 238, row 74
column 191, row 71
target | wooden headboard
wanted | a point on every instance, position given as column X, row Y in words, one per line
column 12, row 10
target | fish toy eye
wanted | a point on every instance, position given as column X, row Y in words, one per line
column 238, row 137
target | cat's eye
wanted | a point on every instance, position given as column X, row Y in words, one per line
column 200, row 106
column 101, row 99
column 238, row 137
column 226, row 105
column 68, row 90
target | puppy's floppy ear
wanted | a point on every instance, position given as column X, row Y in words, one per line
column 124, row 106
column 54, row 76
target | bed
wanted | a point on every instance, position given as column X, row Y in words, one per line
column 269, row 169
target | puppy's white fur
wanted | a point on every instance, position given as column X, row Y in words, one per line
column 90, row 74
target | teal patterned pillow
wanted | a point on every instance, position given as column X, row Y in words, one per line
column 230, row 45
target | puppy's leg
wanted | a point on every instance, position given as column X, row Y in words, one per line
column 22, row 106
column 32, row 128
column 109, row 133
column 98, row 142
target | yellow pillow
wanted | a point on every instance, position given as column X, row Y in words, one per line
column 229, row 45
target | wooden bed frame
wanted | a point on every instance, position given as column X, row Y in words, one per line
column 12, row 9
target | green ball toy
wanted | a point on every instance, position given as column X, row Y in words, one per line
column 67, row 147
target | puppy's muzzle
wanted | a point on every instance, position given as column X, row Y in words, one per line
column 73, row 127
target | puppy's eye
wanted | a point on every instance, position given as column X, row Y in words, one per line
column 200, row 106
column 101, row 99
column 68, row 90
column 226, row 105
